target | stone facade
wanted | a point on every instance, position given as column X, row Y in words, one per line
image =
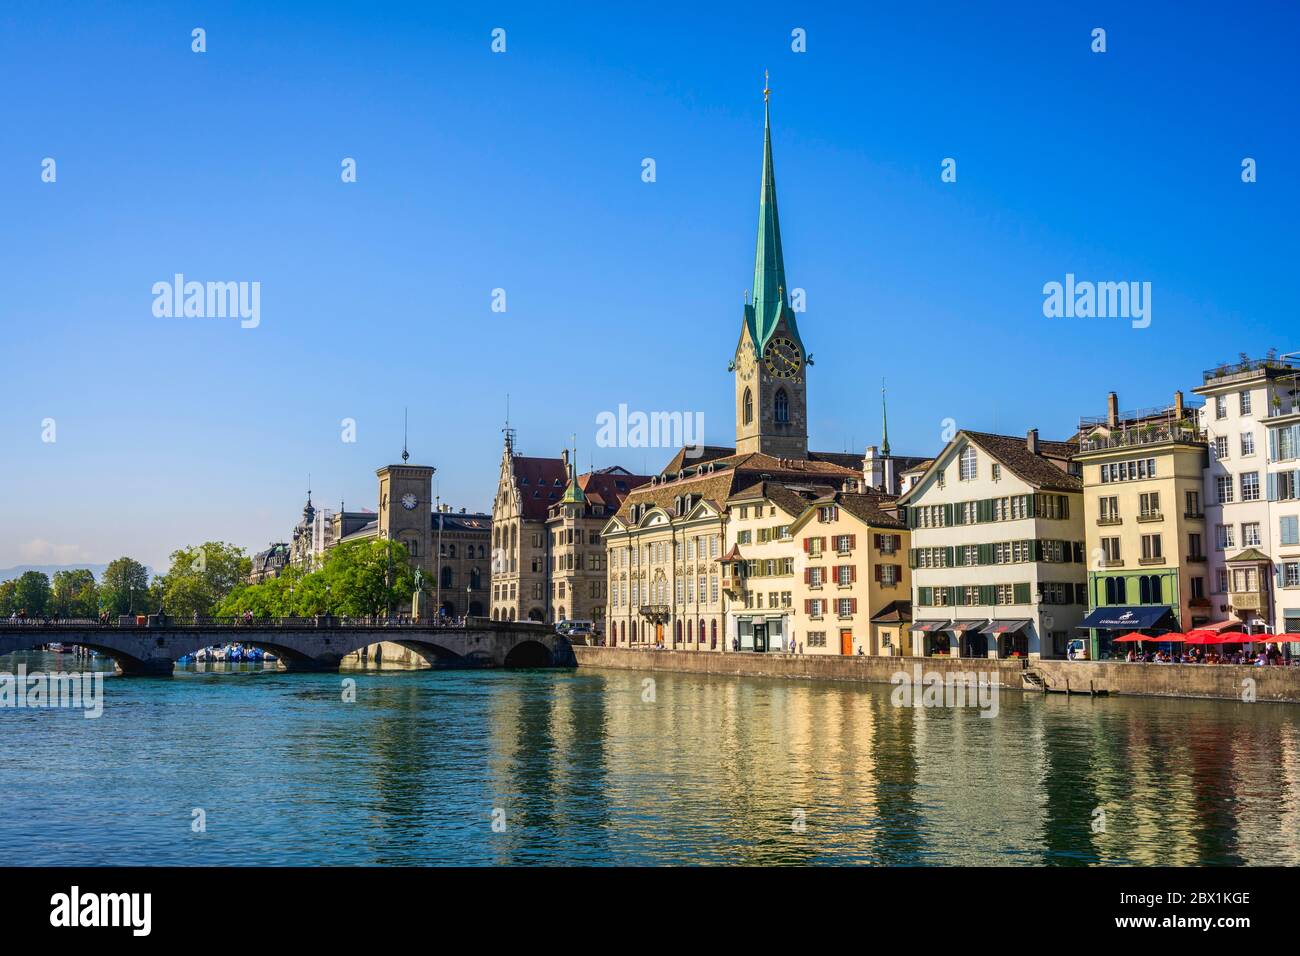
column 548, row 561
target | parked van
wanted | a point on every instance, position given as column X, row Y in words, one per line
column 1077, row 649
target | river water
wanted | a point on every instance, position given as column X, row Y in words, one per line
column 620, row 767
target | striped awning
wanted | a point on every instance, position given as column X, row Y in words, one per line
column 1005, row 627
column 930, row 626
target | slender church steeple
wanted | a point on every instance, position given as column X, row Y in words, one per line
column 884, row 421
column 770, row 365
column 769, row 263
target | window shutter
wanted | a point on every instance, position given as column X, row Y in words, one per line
column 925, row 596
column 878, row 572
column 823, row 542
column 853, row 541
column 951, row 563
column 807, row 606
column 807, row 575
column 807, row 544
column 947, row 514
column 1021, row 594
column 911, row 557
column 853, row 605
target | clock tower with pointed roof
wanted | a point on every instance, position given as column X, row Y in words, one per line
column 770, row 364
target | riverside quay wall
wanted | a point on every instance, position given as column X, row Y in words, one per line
column 1221, row 681
column 876, row 670
column 1224, row 681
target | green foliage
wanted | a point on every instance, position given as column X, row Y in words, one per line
column 33, row 594
column 201, row 577
column 75, row 593
column 351, row 583
column 8, row 603
column 125, row 587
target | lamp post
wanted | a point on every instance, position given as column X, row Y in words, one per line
column 469, row 590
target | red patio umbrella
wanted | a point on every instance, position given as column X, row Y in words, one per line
column 1131, row 637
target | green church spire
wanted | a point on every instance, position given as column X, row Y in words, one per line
column 770, row 289
column 769, row 265
column 884, row 421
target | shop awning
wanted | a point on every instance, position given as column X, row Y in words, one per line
column 1219, row 627
column 961, row 627
column 1139, row 618
column 1005, row 627
column 930, row 626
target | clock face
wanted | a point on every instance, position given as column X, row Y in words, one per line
column 408, row 501
column 783, row 358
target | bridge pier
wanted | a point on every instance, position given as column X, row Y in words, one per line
column 150, row 667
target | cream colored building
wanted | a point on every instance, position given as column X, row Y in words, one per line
column 1144, row 522
column 997, row 555
column 852, row 591
column 759, row 567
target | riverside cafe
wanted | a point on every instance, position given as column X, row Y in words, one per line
column 1108, row 623
column 1116, row 631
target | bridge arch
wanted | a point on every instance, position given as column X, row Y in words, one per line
column 529, row 653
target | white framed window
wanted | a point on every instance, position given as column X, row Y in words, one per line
column 1220, row 406
column 1247, row 444
column 1223, row 485
column 1244, row 399
column 1250, row 537
column 1225, row 537
column 1221, row 448
column 1250, row 486
column 969, row 464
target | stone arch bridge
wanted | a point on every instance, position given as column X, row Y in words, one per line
column 152, row 648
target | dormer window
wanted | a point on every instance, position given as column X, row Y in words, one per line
column 969, row 464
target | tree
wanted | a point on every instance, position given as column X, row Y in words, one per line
column 32, row 593
column 75, row 593
column 358, row 576
column 8, row 603
column 201, row 577
column 124, row 587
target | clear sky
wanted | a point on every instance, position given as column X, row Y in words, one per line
column 522, row 171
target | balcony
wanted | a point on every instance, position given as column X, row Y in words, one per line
column 1106, row 521
column 1112, row 562
column 1151, row 516
column 1138, row 436
column 1246, row 368
column 1246, row 600
column 1146, row 562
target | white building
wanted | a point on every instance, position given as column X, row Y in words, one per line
column 1252, row 492
column 997, row 556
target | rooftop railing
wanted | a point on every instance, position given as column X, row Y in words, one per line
column 1143, row 435
column 1247, row 368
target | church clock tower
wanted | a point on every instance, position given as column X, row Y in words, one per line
column 770, row 364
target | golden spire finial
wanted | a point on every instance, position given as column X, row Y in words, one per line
column 766, row 91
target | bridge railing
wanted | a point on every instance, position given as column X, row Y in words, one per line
column 131, row 622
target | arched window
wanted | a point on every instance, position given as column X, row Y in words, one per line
column 748, row 407
column 1156, row 597
column 451, row 551
column 782, row 407
column 690, row 632
column 1144, row 589
column 475, row 578
column 634, row 632
column 713, row 634
column 446, row 577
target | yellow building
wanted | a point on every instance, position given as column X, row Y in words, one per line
column 852, row 592
column 1144, row 522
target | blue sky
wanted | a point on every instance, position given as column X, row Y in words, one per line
column 522, row 171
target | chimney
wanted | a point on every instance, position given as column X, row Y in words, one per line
column 564, row 457
column 1031, row 439
column 1179, row 410
column 1112, row 410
